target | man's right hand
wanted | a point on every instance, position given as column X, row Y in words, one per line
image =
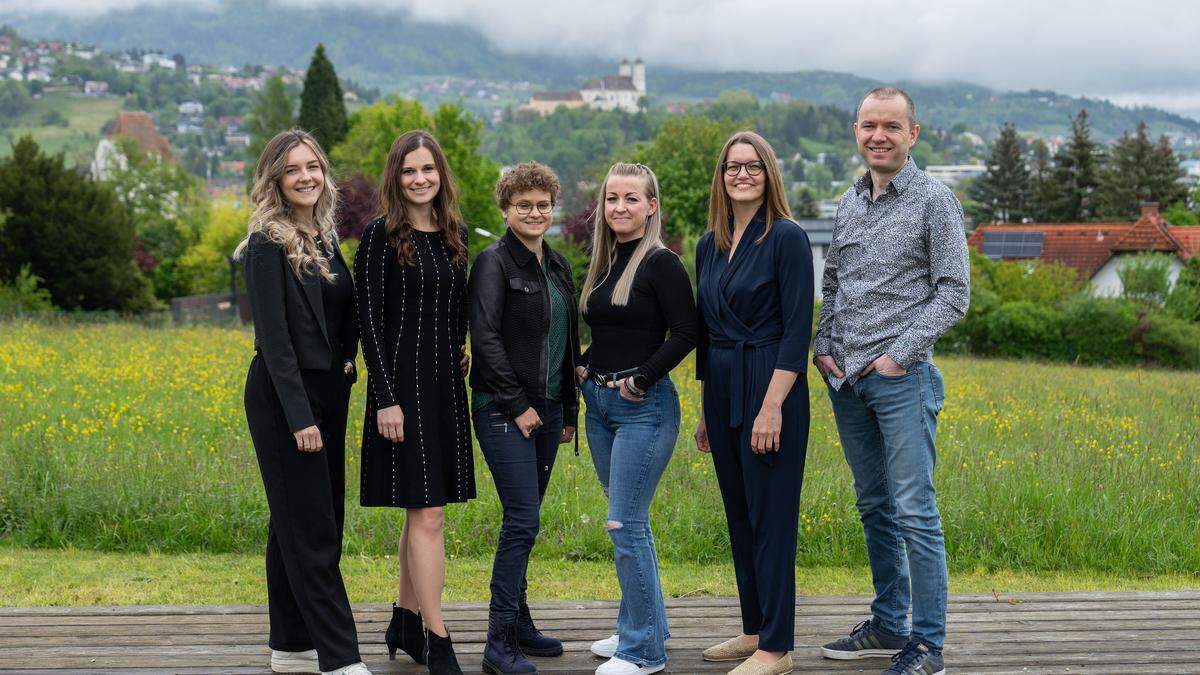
column 528, row 422
column 826, row 365
column 391, row 423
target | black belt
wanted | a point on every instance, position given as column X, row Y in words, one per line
column 604, row 379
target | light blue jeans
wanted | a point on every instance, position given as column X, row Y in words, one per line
column 631, row 445
column 888, row 426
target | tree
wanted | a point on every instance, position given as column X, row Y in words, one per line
column 373, row 130
column 358, row 202
column 271, row 114
column 205, row 266
column 14, row 101
column 1041, row 184
column 73, row 233
column 1003, row 192
column 683, row 155
column 322, row 108
column 168, row 207
column 1139, row 170
column 1075, row 175
column 804, row 203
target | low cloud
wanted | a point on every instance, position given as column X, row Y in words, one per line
column 1142, row 50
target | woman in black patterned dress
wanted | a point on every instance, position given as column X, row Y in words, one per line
column 416, row 448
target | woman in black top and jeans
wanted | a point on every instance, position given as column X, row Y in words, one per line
column 635, row 292
column 297, row 391
column 524, row 337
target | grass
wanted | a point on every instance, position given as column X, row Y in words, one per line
column 85, row 116
column 125, row 438
column 72, row 577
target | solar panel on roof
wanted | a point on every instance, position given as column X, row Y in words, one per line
column 1010, row 245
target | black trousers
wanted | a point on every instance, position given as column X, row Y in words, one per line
column 761, row 495
column 306, row 493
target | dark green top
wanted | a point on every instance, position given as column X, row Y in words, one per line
column 556, row 343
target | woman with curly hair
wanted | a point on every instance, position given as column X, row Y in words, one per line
column 297, row 392
column 524, row 335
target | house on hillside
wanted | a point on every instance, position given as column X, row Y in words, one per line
column 1095, row 250
column 623, row 91
column 137, row 125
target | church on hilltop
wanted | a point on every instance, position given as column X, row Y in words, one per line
column 623, row 91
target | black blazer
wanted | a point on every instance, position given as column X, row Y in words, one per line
column 289, row 325
column 510, row 319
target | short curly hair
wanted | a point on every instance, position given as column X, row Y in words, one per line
column 523, row 178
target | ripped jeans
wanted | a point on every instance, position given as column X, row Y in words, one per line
column 631, row 445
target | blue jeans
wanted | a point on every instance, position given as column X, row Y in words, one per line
column 631, row 444
column 887, row 427
column 521, row 469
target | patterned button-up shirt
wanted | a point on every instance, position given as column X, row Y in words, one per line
column 897, row 275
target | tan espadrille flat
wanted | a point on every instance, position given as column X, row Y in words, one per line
column 729, row 650
column 752, row 667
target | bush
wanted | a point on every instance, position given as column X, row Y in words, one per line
column 1146, row 277
column 24, row 295
column 1021, row 329
column 1099, row 330
column 1184, row 300
column 970, row 333
column 1169, row 341
column 72, row 232
column 205, row 266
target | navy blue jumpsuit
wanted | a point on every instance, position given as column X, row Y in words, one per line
column 756, row 314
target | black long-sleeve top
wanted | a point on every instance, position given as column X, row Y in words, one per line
column 635, row 335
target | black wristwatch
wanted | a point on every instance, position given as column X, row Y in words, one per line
column 639, row 383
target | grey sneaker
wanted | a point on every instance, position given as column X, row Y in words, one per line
column 865, row 641
column 917, row 659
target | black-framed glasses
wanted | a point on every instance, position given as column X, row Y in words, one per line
column 526, row 208
column 753, row 168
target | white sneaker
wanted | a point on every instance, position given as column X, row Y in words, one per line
column 615, row 666
column 294, row 662
column 352, row 669
column 606, row 648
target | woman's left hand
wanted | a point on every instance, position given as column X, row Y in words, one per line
column 567, row 434
column 764, row 435
column 626, row 392
column 465, row 364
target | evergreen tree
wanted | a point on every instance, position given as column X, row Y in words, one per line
column 1076, row 174
column 1003, row 192
column 804, row 203
column 72, row 232
column 1138, row 170
column 322, row 108
column 271, row 114
column 1041, row 184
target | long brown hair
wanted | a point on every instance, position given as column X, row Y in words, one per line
column 273, row 212
column 774, row 197
column 394, row 210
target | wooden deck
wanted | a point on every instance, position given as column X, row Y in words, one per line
column 1125, row 632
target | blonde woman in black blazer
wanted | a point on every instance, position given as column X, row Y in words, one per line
column 297, row 392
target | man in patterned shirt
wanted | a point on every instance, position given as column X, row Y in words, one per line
column 895, row 280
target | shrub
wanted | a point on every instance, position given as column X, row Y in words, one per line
column 1184, row 300
column 24, row 294
column 1146, row 277
column 1022, row 329
column 205, row 266
column 1099, row 330
column 1166, row 340
column 970, row 334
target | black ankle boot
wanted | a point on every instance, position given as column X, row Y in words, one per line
column 439, row 652
column 532, row 641
column 502, row 655
column 406, row 633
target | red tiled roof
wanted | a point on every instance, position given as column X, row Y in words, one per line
column 1087, row 246
column 139, row 126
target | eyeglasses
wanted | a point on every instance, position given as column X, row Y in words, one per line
column 526, row 208
column 734, row 168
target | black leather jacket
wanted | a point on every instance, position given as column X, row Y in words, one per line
column 510, row 320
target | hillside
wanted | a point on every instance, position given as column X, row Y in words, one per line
column 390, row 50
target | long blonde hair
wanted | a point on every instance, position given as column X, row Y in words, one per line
column 273, row 212
column 604, row 240
column 774, row 197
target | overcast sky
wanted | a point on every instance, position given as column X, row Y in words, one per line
column 1131, row 52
